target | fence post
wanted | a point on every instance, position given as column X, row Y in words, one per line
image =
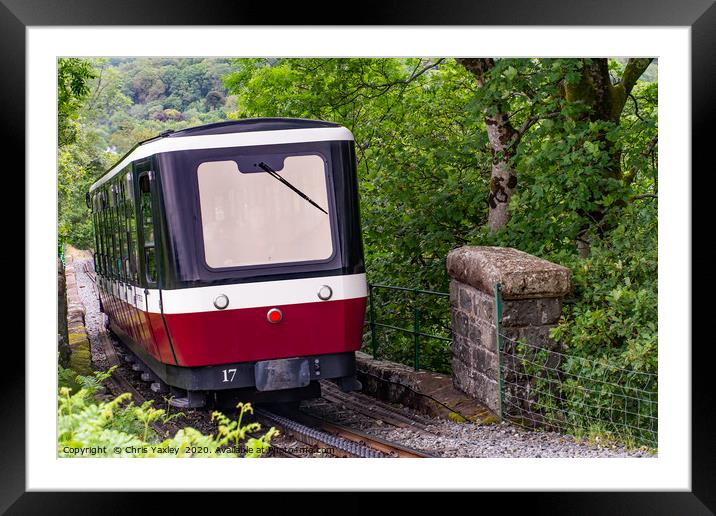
column 373, row 337
column 499, row 346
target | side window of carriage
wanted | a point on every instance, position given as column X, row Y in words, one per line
column 116, row 242
column 97, row 255
column 123, row 226
column 102, row 233
column 109, row 221
column 131, row 227
column 147, row 223
column 104, row 221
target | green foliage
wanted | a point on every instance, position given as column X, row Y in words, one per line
column 424, row 164
column 93, row 383
column 566, row 175
column 424, row 167
column 396, row 308
column 162, row 94
column 67, row 377
column 73, row 76
column 231, row 432
column 616, row 316
column 421, row 156
column 606, row 380
column 119, row 428
column 106, row 106
column 573, row 172
column 78, row 166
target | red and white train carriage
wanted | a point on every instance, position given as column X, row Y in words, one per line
column 229, row 257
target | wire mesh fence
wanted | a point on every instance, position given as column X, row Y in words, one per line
column 548, row 388
column 410, row 326
column 540, row 386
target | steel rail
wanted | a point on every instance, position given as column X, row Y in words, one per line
column 374, row 408
column 312, row 436
column 387, row 448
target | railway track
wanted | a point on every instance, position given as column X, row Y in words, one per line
column 326, row 438
column 336, row 440
column 323, row 437
column 373, row 408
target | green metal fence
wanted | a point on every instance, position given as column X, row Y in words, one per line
column 548, row 387
column 411, row 304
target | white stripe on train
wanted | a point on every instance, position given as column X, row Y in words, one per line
column 241, row 295
column 218, row 141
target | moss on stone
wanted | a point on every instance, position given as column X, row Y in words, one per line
column 77, row 337
column 456, row 418
column 81, row 358
column 489, row 420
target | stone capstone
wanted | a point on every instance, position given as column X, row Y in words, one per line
column 521, row 275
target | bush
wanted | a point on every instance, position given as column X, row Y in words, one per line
column 119, row 428
column 615, row 315
column 606, row 382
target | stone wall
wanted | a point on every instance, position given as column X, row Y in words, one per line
column 80, row 354
column 531, row 289
column 425, row 392
column 63, row 345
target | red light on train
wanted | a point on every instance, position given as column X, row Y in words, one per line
column 274, row 315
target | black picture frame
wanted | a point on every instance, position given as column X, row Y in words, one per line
column 700, row 15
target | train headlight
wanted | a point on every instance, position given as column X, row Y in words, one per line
column 274, row 316
column 325, row 293
column 221, row 302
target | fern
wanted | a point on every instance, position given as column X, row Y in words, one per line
column 119, row 428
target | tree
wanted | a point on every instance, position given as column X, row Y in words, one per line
column 73, row 76
column 604, row 102
column 106, row 97
column 416, row 145
column 580, row 90
column 535, row 154
column 146, row 85
column 214, row 99
column 504, row 139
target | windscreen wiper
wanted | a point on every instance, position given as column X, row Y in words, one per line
column 275, row 175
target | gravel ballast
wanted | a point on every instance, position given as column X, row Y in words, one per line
column 450, row 439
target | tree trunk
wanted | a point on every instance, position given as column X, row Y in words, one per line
column 502, row 137
column 503, row 140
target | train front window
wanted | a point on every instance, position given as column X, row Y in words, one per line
column 251, row 218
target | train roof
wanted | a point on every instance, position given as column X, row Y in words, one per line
column 232, row 133
column 251, row 124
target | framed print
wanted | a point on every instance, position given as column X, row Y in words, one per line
column 254, row 209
